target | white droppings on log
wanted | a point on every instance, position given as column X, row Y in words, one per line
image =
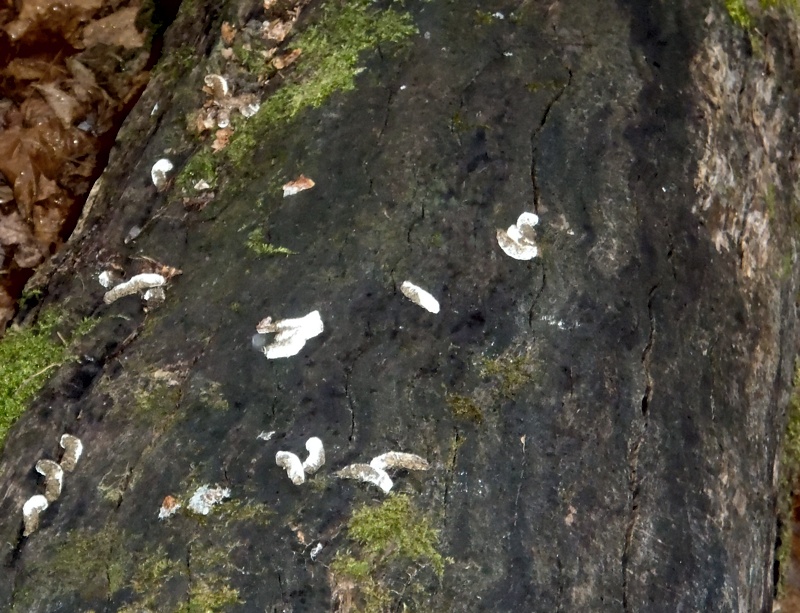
column 419, row 296
column 135, row 284
column 206, row 497
column 399, row 459
column 159, row 173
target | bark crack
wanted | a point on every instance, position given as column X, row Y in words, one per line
column 535, row 139
column 639, row 431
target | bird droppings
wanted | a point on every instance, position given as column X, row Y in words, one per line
column 367, row 474
column 159, row 173
column 316, row 455
column 154, row 296
column 518, row 241
column 53, row 478
column 300, row 184
column 315, row 551
column 206, row 497
column 293, row 466
column 297, row 470
column 399, row 459
column 419, row 296
column 31, row 510
column 169, row 507
column 73, row 448
column 265, row 436
column 290, row 334
column 135, row 284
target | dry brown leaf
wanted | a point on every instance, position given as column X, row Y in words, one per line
column 117, row 29
column 228, row 33
column 268, row 4
column 222, row 138
column 63, row 16
column 283, row 61
column 65, row 107
column 33, row 69
column 300, row 184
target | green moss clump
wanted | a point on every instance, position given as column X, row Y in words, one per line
column 201, row 167
column 465, row 407
column 204, row 598
column 737, row 9
column 387, row 539
column 27, row 357
column 256, row 244
column 329, row 63
column 512, row 373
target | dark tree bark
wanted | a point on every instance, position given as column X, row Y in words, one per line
column 602, row 422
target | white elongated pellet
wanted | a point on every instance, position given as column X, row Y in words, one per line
column 399, row 459
column 135, row 284
column 290, row 334
column 53, row 478
column 31, row 510
column 293, row 466
column 73, row 448
column 205, row 497
column 419, row 296
column 518, row 241
column 159, row 173
column 367, row 474
column 316, row 455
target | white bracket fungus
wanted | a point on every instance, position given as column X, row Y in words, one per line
column 159, row 173
column 206, row 497
column 300, row 184
column 73, row 448
column 290, row 334
column 419, row 296
column 297, row 470
column 135, row 284
column 519, row 240
column 367, row 474
column 53, row 478
column 31, row 510
column 399, row 459
column 375, row 472
column 293, row 466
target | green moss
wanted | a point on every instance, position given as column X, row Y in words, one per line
column 465, row 407
column 330, row 61
column 511, row 372
column 156, row 402
column 390, row 539
column 205, row 598
column 256, row 244
column 178, row 61
column 202, row 166
column 737, row 9
column 27, row 357
column 789, row 481
column 244, row 511
column 211, row 396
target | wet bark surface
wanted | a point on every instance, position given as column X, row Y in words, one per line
column 627, row 385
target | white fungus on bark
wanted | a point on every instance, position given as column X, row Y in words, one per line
column 519, row 241
column 290, row 334
column 169, row 507
column 135, row 284
column 316, row 455
column 73, row 448
column 399, row 459
column 206, row 497
column 159, row 173
column 419, row 296
column 368, row 474
column 53, row 478
column 293, row 466
column 31, row 510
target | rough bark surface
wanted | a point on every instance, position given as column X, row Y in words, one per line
column 630, row 382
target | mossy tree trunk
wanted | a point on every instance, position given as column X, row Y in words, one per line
column 602, row 422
